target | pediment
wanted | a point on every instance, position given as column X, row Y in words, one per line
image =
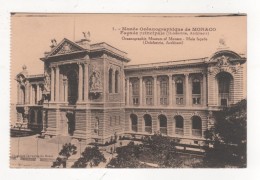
column 65, row 47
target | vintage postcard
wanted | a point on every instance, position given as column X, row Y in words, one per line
column 128, row 91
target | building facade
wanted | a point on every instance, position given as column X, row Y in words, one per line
column 88, row 92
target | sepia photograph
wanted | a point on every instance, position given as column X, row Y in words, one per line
column 128, row 90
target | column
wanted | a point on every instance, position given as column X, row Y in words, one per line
column 187, row 92
column 130, row 93
column 86, row 83
column 127, row 91
column 113, row 81
column 80, row 85
column 204, row 91
column 52, row 84
column 141, row 90
column 122, row 77
column 66, row 90
column 31, row 95
column 27, row 93
column 170, row 90
column 18, row 94
column 155, row 90
column 43, row 121
column 173, row 93
column 38, row 92
column 57, row 84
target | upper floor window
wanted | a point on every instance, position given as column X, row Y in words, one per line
column 110, row 80
column 164, row 91
column 116, row 81
column 149, row 88
column 196, row 89
column 179, row 86
column 135, row 88
column 149, row 92
column 135, row 92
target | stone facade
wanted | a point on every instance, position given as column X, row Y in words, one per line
column 89, row 92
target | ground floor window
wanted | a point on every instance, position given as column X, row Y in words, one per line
column 163, row 123
column 179, row 125
column 196, row 126
column 147, row 123
column 133, row 118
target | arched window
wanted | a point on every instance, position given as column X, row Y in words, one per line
column 163, row 124
column 133, row 118
column 110, row 83
column 147, row 123
column 179, row 125
column 164, row 91
column 116, row 81
column 149, row 92
column 224, row 86
column 196, row 126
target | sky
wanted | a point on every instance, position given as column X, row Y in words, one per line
column 32, row 33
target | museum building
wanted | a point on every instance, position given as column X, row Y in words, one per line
column 88, row 92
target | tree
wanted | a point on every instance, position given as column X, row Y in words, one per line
column 127, row 157
column 91, row 156
column 229, row 136
column 163, row 150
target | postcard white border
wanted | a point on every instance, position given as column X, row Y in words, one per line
column 141, row 6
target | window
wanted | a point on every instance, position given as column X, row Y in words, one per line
column 148, row 123
column 163, row 124
column 179, row 122
column 179, row 86
column 135, row 87
column 133, row 118
column 149, row 92
column 224, row 85
column 164, row 91
column 116, row 81
column 196, row 86
column 135, row 92
column 179, row 125
column 196, row 126
column 110, row 80
column 149, row 88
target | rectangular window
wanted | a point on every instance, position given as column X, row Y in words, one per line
column 164, row 91
column 179, row 87
column 135, row 87
column 196, row 87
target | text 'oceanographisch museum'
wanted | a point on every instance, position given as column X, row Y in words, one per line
column 88, row 92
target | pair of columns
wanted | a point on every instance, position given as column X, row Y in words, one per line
column 156, row 91
column 36, row 94
column 82, row 83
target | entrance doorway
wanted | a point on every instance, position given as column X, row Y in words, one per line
column 72, row 87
